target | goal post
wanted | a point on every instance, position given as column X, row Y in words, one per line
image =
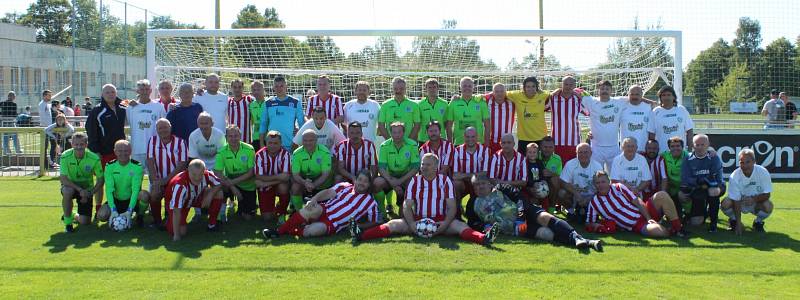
column 624, row 57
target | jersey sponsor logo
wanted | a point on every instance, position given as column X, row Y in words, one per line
column 702, row 172
column 145, row 125
column 632, row 168
column 670, row 115
column 584, row 175
column 606, row 120
column 637, row 113
column 670, row 129
column 635, row 127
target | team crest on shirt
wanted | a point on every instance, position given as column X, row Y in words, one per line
column 130, row 173
column 441, row 111
column 646, row 119
column 616, row 110
column 680, row 120
column 243, row 159
column 87, row 168
column 319, row 161
column 477, row 107
column 153, row 117
column 371, row 116
column 408, row 154
column 408, row 109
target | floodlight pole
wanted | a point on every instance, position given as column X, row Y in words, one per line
column 541, row 38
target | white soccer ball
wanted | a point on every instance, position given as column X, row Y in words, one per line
column 120, row 223
column 426, row 227
column 541, row 189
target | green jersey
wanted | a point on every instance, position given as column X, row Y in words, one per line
column 311, row 165
column 234, row 164
column 256, row 110
column 81, row 171
column 123, row 182
column 467, row 113
column 406, row 112
column 431, row 112
column 674, row 170
column 553, row 163
column 398, row 160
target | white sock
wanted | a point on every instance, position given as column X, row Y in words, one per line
column 761, row 215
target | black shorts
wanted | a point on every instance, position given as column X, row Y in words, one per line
column 532, row 212
column 84, row 209
column 122, row 206
column 247, row 205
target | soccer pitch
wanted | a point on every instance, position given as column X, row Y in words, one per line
column 40, row 260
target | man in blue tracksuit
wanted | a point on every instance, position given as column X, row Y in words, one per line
column 701, row 183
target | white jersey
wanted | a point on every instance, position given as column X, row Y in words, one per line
column 206, row 149
column 329, row 135
column 366, row 114
column 632, row 172
column 634, row 122
column 604, row 118
column 666, row 123
column 741, row 186
column 581, row 178
column 216, row 106
column 142, row 120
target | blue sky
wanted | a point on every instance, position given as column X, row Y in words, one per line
column 702, row 21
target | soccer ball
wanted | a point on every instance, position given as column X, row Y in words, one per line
column 120, row 223
column 426, row 227
column 541, row 189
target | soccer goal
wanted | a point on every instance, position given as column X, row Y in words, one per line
column 649, row 58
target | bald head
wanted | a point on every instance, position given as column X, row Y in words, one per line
column 584, row 152
column 635, row 94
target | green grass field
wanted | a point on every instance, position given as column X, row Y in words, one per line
column 41, row 261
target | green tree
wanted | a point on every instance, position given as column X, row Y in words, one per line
column 444, row 53
column 166, row 22
column 249, row 17
column 51, row 20
column 87, row 24
column 12, row 17
column 732, row 88
column 748, row 41
column 778, row 66
column 707, row 70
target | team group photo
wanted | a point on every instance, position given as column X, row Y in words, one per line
column 283, row 160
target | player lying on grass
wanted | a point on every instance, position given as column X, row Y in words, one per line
column 501, row 205
column 429, row 195
column 195, row 187
column 331, row 210
column 123, row 182
column 620, row 207
column 79, row 166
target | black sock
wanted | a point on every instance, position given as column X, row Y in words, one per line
column 713, row 209
column 562, row 231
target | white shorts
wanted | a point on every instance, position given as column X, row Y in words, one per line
column 605, row 155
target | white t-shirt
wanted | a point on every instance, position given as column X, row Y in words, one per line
column 634, row 122
column 604, row 118
column 328, row 136
column 45, row 116
column 217, row 106
column 142, row 120
column 666, row 123
column 633, row 172
column 580, row 177
column 366, row 114
column 206, row 150
column 741, row 186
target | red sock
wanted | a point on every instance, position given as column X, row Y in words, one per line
column 213, row 210
column 676, row 225
column 545, row 203
column 266, row 201
column 97, row 208
column 472, row 236
column 376, row 232
column 283, row 204
column 297, row 231
column 294, row 221
column 155, row 210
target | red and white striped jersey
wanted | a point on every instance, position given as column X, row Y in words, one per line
column 616, row 206
column 471, row 163
column 501, row 118
column 167, row 154
column 564, row 124
column 239, row 115
column 347, row 204
column 167, row 103
column 356, row 159
column 658, row 168
column 333, row 106
column 504, row 169
column 430, row 196
column 181, row 193
column 268, row 165
column 445, row 152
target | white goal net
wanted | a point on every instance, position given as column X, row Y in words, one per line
column 624, row 57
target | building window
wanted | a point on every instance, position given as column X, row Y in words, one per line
column 83, row 83
column 67, row 80
column 23, row 81
column 15, row 79
column 114, row 79
column 92, row 79
column 46, row 79
column 37, row 80
column 2, row 77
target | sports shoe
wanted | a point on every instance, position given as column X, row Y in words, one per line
column 758, row 226
column 682, row 233
column 597, row 245
column 581, row 243
column 355, row 231
column 212, row 228
column 195, row 218
column 139, row 221
column 491, row 234
column 269, row 233
column 732, row 225
column 712, row 228
column 69, row 228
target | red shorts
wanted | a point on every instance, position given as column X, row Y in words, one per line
column 323, row 218
column 566, row 153
column 493, row 147
column 654, row 213
column 105, row 158
column 435, row 219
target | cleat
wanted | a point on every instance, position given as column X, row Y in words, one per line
column 731, row 225
column 269, row 233
column 758, row 226
column 213, row 228
column 491, row 234
column 355, row 232
column 712, row 228
column 69, row 228
column 597, row 245
column 581, row 243
column 682, row 234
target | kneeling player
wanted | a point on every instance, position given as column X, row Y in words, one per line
column 749, row 192
column 195, row 187
column 618, row 204
column 501, row 205
column 123, row 182
column 79, row 166
column 311, row 169
column 344, row 203
column 429, row 195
